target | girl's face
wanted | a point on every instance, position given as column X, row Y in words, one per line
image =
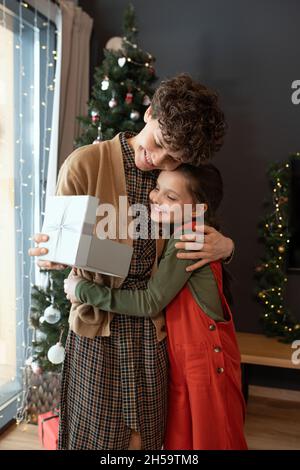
column 169, row 197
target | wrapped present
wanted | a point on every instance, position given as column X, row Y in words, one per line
column 70, row 223
column 48, row 429
column 43, row 392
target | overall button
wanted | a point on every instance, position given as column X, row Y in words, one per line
column 212, row 327
column 220, row 370
column 217, row 349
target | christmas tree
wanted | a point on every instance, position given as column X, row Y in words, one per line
column 271, row 272
column 49, row 322
column 120, row 97
column 49, row 319
column 123, row 88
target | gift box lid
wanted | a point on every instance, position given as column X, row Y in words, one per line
column 69, row 221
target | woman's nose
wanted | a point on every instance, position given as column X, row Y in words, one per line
column 158, row 157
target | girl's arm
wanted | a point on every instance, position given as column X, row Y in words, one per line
column 169, row 279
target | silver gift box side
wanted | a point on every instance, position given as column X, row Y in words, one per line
column 109, row 257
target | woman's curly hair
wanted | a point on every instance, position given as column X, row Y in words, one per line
column 190, row 118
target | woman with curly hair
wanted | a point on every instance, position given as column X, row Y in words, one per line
column 114, row 378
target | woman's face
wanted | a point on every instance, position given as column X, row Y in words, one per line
column 169, row 197
column 150, row 151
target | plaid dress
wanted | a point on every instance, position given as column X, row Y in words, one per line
column 112, row 385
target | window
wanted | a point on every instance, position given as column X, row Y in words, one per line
column 27, row 82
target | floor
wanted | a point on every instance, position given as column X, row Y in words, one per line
column 270, row 424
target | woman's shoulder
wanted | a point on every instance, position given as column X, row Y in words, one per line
column 84, row 155
column 91, row 153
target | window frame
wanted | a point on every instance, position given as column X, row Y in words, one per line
column 11, row 392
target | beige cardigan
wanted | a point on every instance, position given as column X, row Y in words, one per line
column 98, row 170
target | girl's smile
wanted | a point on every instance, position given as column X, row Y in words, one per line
column 169, row 197
column 161, row 209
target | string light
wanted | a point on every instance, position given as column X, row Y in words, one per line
column 20, row 230
column 141, row 64
column 28, row 182
column 150, row 57
column 45, row 103
column 276, row 320
column 130, row 60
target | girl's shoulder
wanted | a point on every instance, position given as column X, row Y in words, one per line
column 205, row 289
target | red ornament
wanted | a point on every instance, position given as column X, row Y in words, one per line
column 129, row 98
column 95, row 116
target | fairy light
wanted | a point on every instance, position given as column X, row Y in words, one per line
column 276, row 227
column 126, row 40
column 130, row 60
column 32, row 181
column 20, row 305
column 45, row 113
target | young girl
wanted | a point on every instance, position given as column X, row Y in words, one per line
column 205, row 405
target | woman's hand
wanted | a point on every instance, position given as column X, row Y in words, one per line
column 69, row 287
column 40, row 251
column 216, row 246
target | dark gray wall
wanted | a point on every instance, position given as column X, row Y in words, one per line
column 249, row 51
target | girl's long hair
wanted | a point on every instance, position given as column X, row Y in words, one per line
column 206, row 184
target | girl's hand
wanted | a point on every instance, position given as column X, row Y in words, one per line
column 69, row 287
column 216, row 246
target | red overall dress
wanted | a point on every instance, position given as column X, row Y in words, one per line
column 206, row 407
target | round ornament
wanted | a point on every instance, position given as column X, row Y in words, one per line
column 95, row 115
column 56, row 353
column 112, row 103
column 114, row 44
column 36, row 367
column 52, row 315
column 105, row 84
column 40, row 336
column 134, row 115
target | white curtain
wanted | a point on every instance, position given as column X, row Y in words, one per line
column 72, row 85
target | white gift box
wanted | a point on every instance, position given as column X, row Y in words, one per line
column 69, row 221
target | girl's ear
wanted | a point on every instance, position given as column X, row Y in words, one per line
column 148, row 114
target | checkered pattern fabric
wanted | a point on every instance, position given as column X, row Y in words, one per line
column 111, row 385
